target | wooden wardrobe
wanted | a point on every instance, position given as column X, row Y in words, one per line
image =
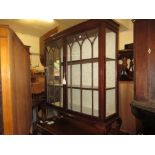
column 15, row 90
column 143, row 106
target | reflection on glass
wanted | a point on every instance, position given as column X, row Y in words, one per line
column 57, row 68
column 50, row 57
column 54, row 73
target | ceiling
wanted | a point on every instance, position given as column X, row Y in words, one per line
column 39, row 27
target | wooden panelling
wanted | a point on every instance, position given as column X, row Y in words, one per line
column 1, row 116
column 20, row 67
column 144, row 46
column 126, row 94
column 141, row 55
column 151, row 60
column 15, row 75
column 6, row 85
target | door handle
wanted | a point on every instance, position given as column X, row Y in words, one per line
column 149, row 51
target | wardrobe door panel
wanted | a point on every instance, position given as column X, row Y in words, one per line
column 141, row 59
column 151, row 59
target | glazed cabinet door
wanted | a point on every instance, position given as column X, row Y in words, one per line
column 110, row 71
column 54, row 73
column 82, row 72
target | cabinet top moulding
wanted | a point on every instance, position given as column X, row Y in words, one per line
column 84, row 26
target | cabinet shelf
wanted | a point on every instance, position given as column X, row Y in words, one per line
column 110, row 88
column 110, row 59
column 55, row 85
column 83, row 61
column 83, row 87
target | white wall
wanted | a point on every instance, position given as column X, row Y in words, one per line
column 126, row 36
column 33, row 42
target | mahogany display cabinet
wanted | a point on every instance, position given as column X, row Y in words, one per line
column 81, row 77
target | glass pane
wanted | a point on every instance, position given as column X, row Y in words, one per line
column 61, row 54
column 61, row 102
column 110, row 102
column 110, row 44
column 86, row 75
column 76, row 100
column 50, row 94
column 75, row 51
column 50, row 58
column 61, row 75
column 54, row 74
column 95, row 75
column 68, row 75
column 110, row 74
column 92, row 35
column 57, row 72
column 49, row 73
column 48, row 48
column 86, row 50
column 96, row 109
column 69, row 98
column 50, row 112
column 87, row 102
column 75, row 75
column 95, row 48
column 68, row 53
column 57, row 95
